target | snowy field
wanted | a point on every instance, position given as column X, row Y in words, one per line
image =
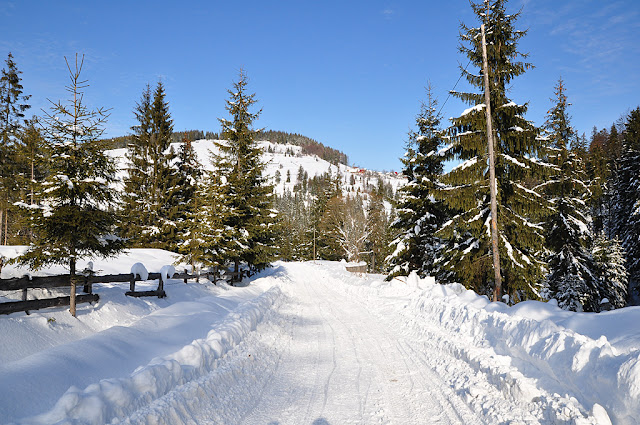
column 309, row 343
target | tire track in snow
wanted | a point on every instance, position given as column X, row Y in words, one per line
column 387, row 355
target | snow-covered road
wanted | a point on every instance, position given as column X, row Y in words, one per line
column 340, row 364
column 310, row 344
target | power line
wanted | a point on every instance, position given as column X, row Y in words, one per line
column 454, row 86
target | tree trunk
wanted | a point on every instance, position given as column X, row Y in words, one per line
column 72, row 281
column 236, row 269
column 6, row 226
column 497, row 291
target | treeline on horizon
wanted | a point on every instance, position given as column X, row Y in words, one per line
column 309, row 145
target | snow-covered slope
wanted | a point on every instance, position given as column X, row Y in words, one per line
column 289, row 159
column 312, row 343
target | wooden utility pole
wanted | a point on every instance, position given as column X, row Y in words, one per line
column 492, row 174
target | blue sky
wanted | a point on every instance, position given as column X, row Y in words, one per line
column 350, row 74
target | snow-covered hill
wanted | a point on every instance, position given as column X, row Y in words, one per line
column 288, row 159
column 311, row 343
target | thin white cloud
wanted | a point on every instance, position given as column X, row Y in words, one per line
column 388, row 13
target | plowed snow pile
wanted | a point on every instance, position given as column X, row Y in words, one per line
column 309, row 343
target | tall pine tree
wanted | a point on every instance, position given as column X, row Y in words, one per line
column 152, row 186
column 12, row 113
column 77, row 220
column 185, row 199
column 420, row 214
column 572, row 279
column 627, row 203
column 520, row 209
column 248, row 227
column 610, row 269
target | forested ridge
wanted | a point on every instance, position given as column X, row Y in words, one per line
column 309, row 145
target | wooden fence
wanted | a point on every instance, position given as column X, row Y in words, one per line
column 26, row 282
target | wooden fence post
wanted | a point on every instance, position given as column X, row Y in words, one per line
column 160, row 286
column 88, row 287
column 24, row 298
column 132, row 283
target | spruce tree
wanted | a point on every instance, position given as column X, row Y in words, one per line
column 12, row 113
column 572, row 279
column 327, row 197
column 627, row 203
column 77, row 219
column 379, row 240
column 152, row 184
column 520, row 210
column 248, row 228
column 204, row 242
column 136, row 194
column 420, row 215
column 185, row 201
column 33, row 162
column 611, row 271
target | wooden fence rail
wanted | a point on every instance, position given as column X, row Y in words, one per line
column 26, row 282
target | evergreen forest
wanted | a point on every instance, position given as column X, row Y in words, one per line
column 560, row 219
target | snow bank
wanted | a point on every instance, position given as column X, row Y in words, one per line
column 115, row 398
column 581, row 368
column 88, row 368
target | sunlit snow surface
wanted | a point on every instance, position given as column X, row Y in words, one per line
column 307, row 343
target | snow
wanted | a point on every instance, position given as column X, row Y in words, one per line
column 468, row 163
column 138, row 269
column 478, row 107
column 306, row 343
column 514, row 161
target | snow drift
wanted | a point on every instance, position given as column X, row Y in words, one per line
column 579, row 365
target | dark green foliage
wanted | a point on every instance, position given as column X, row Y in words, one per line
column 248, row 228
column 204, row 241
column 153, row 186
column 33, row 168
column 420, row 215
column 572, row 279
column 378, row 242
column 295, row 242
column 185, row 200
column 520, row 210
column 627, row 202
column 610, row 270
column 12, row 112
column 76, row 196
column 137, row 188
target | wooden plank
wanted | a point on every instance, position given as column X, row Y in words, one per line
column 14, row 306
column 156, row 293
column 110, row 278
column 17, row 283
column 21, row 283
